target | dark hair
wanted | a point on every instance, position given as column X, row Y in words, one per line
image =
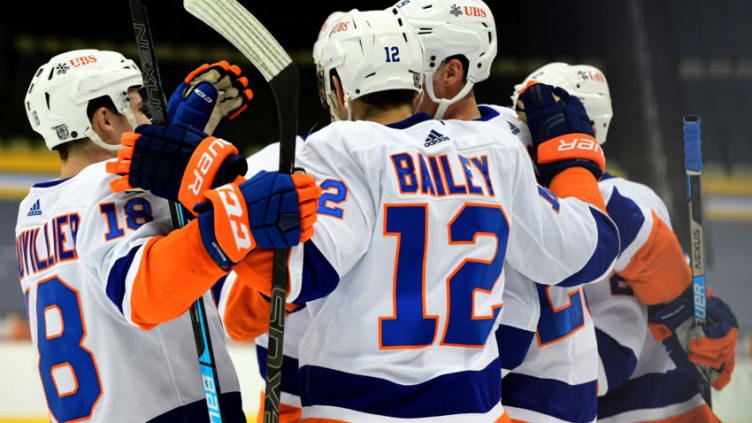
column 65, row 149
column 381, row 100
column 96, row 103
column 384, row 100
column 465, row 63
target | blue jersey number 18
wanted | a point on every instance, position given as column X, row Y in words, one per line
column 67, row 369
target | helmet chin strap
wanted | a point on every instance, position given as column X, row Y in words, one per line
column 94, row 137
column 444, row 103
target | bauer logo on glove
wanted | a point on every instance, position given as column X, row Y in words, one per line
column 177, row 163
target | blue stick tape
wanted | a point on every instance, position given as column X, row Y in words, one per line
column 692, row 144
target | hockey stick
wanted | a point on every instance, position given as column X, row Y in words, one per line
column 693, row 166
column 248, row 35
column 158, row 109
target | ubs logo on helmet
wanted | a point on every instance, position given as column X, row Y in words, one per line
column 342, row 26
column 83, row 60
column 475, row 11
column 592, row 76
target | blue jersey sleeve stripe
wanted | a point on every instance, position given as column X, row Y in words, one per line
column 289, row 371
column 216, row 289
column 619, row 361
column 513, row 345
column 606, row 251
column 653, row 390
column 627, row 216
column 475, row 391
column 319, row 276
column 116, row 279
column 571, row 403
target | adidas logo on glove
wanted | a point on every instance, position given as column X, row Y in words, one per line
column 435, row 138
column 35, row 210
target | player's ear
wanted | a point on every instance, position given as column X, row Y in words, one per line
column 454, row 72
column 103, row 123
column 338, row 89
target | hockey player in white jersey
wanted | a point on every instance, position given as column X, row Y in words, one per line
column 244, row 311
column 558, row 378
column 96, row 268
column 460, row 47
column 419, row 348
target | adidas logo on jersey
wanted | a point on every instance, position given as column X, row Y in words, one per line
column 435, row 138
column 35, row 210
column 515, row 130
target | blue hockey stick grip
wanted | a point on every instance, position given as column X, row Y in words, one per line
column 692, row 145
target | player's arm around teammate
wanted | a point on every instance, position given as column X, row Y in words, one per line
column 224, row 231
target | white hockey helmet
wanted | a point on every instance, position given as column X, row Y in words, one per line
column 584, row 82
column 449, row 28
column 371, row 52
column 60, row 91
column 318, row 48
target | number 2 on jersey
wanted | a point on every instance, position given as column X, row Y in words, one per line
column 409, row 326
column 557, row 323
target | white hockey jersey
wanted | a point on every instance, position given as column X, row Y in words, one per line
column 79, row 247
column 404, row 275
column 558, row 379
column 637, row 380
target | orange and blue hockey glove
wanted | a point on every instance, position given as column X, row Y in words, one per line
column 561, row 131
column 271, row 210
column 176, row 162
column 209, row 96
column 706, row 351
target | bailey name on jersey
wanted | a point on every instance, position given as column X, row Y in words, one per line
column 439, row 176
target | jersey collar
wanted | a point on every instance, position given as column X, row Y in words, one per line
column 412, row 120
column 50, row 183
column 487, row 113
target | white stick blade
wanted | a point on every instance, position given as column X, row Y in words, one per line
column 244, row 31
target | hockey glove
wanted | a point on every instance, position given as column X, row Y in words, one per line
column 177, row 162
column 271, row 210
column 562, row 133
column 707, row 351
column 210, row 96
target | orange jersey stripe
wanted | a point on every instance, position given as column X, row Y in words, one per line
column 256, row 270
column 246, row 314
column 701, row 414
column 174, row 271
column 658, row 272
column 578, row 182
column 287, row 413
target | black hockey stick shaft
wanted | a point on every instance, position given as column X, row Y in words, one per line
column 285, row 87
column 693, row 166
column 157, row 105
column 236, row 24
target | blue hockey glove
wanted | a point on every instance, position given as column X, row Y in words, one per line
column 210, row 96
column 177, row 162
column 708, row 351
column 561, row 131
column 271, row 210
